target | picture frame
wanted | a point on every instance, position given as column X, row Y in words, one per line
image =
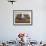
column 22, row 17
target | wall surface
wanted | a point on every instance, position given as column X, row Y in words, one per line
column 38, row 29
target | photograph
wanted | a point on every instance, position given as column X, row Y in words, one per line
column 22, row 22
column 22, row 17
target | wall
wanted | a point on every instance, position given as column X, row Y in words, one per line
column 37, row 31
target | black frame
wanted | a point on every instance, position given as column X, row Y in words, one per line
column 24, row 24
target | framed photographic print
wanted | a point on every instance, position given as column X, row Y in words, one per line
column 22, row 17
